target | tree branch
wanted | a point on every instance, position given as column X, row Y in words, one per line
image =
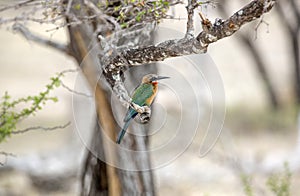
column 17, row 27
column 73, row 91
column 192, row 4
column 114, row 66
column 41, row 128
column 17, row 5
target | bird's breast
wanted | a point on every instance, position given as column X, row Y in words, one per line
column 154, row 92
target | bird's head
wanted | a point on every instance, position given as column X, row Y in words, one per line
column 152, row 78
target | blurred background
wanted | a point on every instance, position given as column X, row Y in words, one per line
column 259, row 66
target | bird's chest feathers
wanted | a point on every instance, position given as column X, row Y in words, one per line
column 154, row 92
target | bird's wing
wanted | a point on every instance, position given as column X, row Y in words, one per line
column 142, row 93
column 140, row 96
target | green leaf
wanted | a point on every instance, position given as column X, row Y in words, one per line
column 54, row 99
column 57, row 83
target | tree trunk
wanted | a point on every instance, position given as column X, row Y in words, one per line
column 258, row 59
column 109, row 169
column 292, row 23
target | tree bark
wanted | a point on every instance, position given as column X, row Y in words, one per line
column 100, row 175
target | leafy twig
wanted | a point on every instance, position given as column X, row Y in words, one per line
column 41, row 128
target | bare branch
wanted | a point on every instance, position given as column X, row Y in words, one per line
column 69, row 71
column 192, row 4
column 114, row 66
column 73, row 91
column 15, row 6
column 32, row 37
column 69, row 7
column 185, row 46
column 99, row 14
column 41, row 128
column 261, row 21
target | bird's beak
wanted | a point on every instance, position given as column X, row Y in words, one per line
column 159, row 78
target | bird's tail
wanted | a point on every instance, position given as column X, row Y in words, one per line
column 123, row 131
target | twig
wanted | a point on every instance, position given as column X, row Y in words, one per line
column 114, row 66
column 41, row 128
column 192, row 5
column 17, row 5
column 261, row 21
column 206, row 24
column 190, row 22
column 69, row 7
column 73, row 91
column 180, row 47
column 105, row 18
column 69, row 71
column 26, row 18
column 30, row 36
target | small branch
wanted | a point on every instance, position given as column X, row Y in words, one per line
column 30, row 36
column 115, row 64
column 69, row 71
column 261, row 21
column 192, row 4
column 105, row 18
column 180, row 47
column 69, row 7
column 73, row 91
column 15, row 6
column 41, row 128
column 140, row 109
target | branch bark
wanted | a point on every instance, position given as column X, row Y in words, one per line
column 114, row 66
column 212, row 32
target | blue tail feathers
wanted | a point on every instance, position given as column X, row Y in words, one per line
column 122, row 132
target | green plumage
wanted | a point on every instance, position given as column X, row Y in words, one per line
column 143, row 95
column 140, row 96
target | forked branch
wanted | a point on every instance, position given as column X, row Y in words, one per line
column 212, row 32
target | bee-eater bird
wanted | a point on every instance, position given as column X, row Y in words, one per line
column 143, row 95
